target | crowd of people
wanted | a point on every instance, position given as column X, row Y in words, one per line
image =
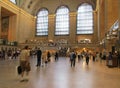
column 9, row 54
column 44, row 57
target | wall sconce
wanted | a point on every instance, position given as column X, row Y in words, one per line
column 108, row 37
column 101, row 43
column 111, row 34
column 114, row 34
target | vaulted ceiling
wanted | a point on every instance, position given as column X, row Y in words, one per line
column 33, row 6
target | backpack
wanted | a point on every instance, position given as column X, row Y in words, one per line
column 74, row 56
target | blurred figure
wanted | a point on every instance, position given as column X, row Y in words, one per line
column 56, row 56
column 48, row 56
column 44, row 58
column 110, row 57
column 94, row 55
column 100, row 57
column 24, row 63
column 79, row 56
column 73, row 58
column 97, row 56
column 119, row 59
column 87, row 59
column 104, row 55
column 39, row 53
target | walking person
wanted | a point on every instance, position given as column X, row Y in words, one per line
column 118, row 59
column 94, row 55
column 48, row 56
column 79, row 57
column 110, row 57
column 56, row 56
column 87, row 59
column 100, row 57
column 73, row 59
column 44, row 58
column 24, row 63
column 39, row 53
column 97, row 56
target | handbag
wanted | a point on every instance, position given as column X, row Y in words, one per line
column 19, row 70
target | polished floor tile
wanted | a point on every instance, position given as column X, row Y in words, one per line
column 60, row 75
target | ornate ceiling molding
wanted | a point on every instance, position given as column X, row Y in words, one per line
column 32, row 6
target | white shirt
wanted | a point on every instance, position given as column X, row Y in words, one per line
column 24, row 55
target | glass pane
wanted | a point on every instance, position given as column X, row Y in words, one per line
column 85, row 19
column 42, row 22
column 62, row 21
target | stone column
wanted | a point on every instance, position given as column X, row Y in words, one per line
column 72, row 33
column 51, row 27
column 95, row 38
column 0, row 21
column 106, row 15
column 98, row 19
column 119, row 18
column 106, row 23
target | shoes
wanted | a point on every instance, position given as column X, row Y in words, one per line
column 21, row 80
column 26, row 79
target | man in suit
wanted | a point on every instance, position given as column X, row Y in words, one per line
column 73, row 58
column 39, row 53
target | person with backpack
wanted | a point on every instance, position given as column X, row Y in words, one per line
column 73, row 58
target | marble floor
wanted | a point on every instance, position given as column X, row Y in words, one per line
column 60, row 75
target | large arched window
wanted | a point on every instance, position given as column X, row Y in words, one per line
column 42, row 23
column 85, row 19
column 62, row 21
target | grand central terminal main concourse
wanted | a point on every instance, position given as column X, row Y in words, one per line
column 60, row 43
column 60, row 75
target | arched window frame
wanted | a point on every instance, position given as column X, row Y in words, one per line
column 62, row 21
column 85, row 19
column 42, row 22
